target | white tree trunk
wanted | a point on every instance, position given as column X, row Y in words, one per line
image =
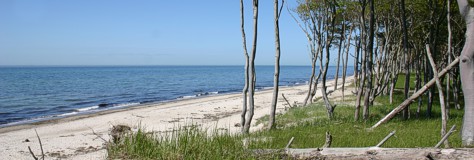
column 466, row 67
column 277, row 64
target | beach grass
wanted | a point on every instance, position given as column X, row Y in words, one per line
column 182, row 143
column 308, row 125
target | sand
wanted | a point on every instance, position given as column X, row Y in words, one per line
column 82, row 137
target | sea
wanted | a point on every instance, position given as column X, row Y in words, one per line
column 30, row 94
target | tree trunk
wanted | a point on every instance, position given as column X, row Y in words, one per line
column 363, row 61
column 450, row 37
column 252, row 75
column 344, row 72
column 246, row 77
column 336, row 77
column 369, row 55
column 311, row 79
column 329, row 37
column 441, row 97
column 467, row 72
column 277, row 64
column 356, row 64
column 430, row 97
column 407, row 57
column 418, row 86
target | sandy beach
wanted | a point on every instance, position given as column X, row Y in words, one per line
column 82, row 137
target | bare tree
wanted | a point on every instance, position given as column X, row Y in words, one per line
column 250, row 76
column 246, row 74
column 466, row 7
column 277, row 13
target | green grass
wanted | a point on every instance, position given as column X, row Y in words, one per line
column 307, row 124
column 183, row 143
column 424, row 132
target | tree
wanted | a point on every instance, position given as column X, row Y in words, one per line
column 277, row 13
column 250, row 76
column 466, row 8
column 329, row 27
column 407, row 61
column 246, row 72
column 312, row 29
column 319, row 19
column 362, row 30
column 369, row 61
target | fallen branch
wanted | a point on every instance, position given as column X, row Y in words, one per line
column 41, row 146
column 385, row 139
column 283, row 95
column 408, row 101
column 445, row 137
column 289, row 143
column 98, row 136
column 32, row 154
column 328, row 142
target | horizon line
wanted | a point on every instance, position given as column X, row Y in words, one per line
column 190, row 65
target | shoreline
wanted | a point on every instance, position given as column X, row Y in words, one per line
column 126, row 106
column 57, row 118
column 82, row 132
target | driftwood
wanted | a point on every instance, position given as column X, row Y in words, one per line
column 410, row 99
column 370, row 153
column 41, row 146
column 380, row 153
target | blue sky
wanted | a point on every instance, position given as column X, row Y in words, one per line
column 141, row 32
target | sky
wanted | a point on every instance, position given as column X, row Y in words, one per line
column 142, row 32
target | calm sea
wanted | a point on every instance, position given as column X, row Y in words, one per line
column 29, row 94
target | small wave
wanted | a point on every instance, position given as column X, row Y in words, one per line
column 124, row 105
column 199, row 95
column 68, row 114
column 87, row 108
column 187, row 97
column 266, row 88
